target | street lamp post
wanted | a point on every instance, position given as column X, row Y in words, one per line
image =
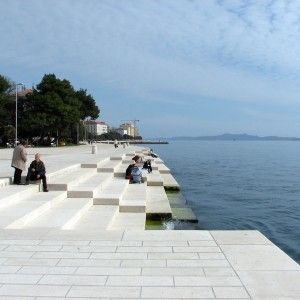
column 16, row 129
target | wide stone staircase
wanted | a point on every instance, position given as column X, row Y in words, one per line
column 89, row 196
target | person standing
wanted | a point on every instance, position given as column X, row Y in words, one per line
column 37, row 171
column 116, row 143
column 19, row 161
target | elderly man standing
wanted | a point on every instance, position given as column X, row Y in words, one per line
column 37, row 171
column 19, row 161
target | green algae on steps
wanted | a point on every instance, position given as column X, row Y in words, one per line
column 170, row 189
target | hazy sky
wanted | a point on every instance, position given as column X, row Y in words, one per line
column 182, row 67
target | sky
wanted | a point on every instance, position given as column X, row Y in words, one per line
column 181, row 67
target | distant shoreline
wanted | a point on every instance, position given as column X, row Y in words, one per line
column 233, row 137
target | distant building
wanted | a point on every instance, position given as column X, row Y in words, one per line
column 96, row 127
column 24, row 92
column 121, row 131
column 129, row 129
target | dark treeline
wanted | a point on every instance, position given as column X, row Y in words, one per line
column 113, row 135
column 52, row 109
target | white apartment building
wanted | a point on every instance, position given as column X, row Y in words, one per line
column 96, row 127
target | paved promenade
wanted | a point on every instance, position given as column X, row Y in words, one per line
column 85, row 239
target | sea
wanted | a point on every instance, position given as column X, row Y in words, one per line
column 241, row 185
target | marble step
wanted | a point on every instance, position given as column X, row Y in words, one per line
column 89, row 187
column 61, row 172
column 18, row 215
column 109, row 166
column 120, row 170
column 131, row 153
column 154, row 179
column 170, row 182
column 63, row 215
column 112, row 193
column 12, row 194
column 157, row 160
column 134, row 198
column 163, row 169
column 128, row 221
column 64, row 181
column 157, row 202
column 98, row 217
column 117, row 156
column 95, row 163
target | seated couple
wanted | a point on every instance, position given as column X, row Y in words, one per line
column 37, row 171
column 134, row 173
column 146, row 165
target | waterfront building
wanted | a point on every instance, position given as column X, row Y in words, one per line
column 96, row 127
column 129, row 129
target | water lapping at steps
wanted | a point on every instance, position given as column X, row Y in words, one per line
column 241, row 185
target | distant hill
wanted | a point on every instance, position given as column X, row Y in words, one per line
column 234, row 137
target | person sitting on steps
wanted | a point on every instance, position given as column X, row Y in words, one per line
column 37, row 171
column 136, row 174
column 128, row 171
column 147, row 166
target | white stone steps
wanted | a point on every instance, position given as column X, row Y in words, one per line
column 128, row 221
column 117, row 156
column 62, row 182
column 89, row 187
column 112, row 193
column 157, row 160
column 154, row 179
column 128, row 154
column 64, row 215
column 95, row 163
column 63, row 171
column 163, row 169
column 109, row 166
column 134, row 199
column 18, row 215
column 121, row 170
column 13, row 193
column 98, row 217
column 169, row 181
column 157, row 201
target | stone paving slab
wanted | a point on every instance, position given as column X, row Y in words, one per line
column 66, row 264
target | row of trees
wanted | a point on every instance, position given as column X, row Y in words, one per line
column 114, row 135
column 52, row 109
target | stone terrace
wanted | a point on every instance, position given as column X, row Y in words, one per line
column 58, row 245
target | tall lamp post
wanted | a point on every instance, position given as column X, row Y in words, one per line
column 17, row 84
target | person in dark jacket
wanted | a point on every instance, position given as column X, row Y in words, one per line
column 128, row 171
column 37, row 171
column 147, row 166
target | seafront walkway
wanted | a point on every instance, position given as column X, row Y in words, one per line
column 86, row 238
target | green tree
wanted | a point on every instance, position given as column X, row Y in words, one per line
column 6, row 101
column 52, row 106
column 55, row 106
column 89, row 107
column 7, row 109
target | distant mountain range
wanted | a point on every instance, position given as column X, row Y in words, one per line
column 234, row 137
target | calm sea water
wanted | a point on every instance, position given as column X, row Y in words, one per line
column 241, row 185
